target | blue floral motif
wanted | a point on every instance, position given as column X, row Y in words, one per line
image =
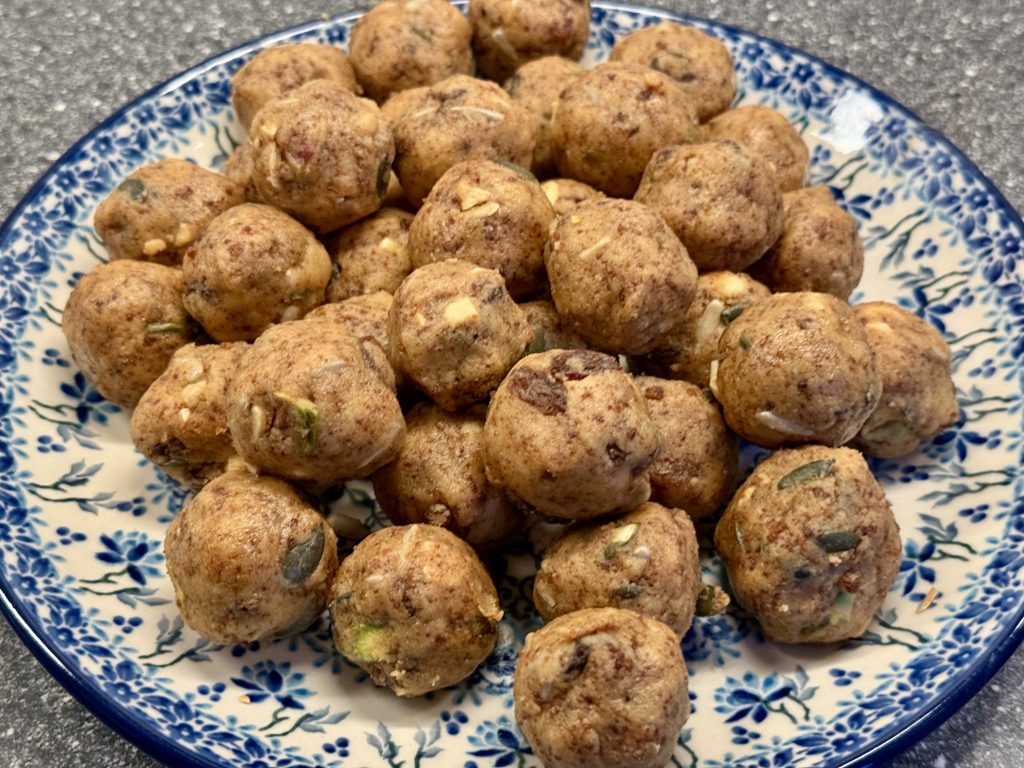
column 760, row 697
column 497, row 743
column 943, row 245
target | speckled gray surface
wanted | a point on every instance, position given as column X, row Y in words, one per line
column 67, row 65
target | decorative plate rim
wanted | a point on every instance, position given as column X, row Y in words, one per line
column 128, row 724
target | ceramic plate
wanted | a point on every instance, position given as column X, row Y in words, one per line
column 82, row 516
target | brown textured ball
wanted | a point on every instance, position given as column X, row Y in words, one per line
column 646, row 561
column 491, row 214
column 537, row 87
column 454, row 332
column 321, row 154
column 401, row 44
column 274, row 71
column 312, row 403
column 796, row 368
column 414, row 607
column 568, row 433
column 123, row 321
column 619, row 276
column 253, row 266
column 687, row 354
column 918, row 395
column 810, row 545
column 250, row 559
column 602, row 688
column 770, row 136
column 181, row 422
column 610, row 121
column 698, row 467
column 459, row 119
column 700, row 63
column 723, row 202
column 820, row 249
column 370, row 255
column 509, row 33
column 160, row 209
column 438, row 478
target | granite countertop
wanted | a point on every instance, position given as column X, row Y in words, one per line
column 68, row 65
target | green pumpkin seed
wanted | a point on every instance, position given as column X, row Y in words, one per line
column 731, row 313
column 383, row 176
column 628, row 591
column 890, row 433
column 304, row 558
column 815, row 470
column 420, row 33
column 517, row 169
column 745, row 341
column 168, row 329
column 711, row 601
column 620, row 538
column 134, row 188
column 304, row 416
column 837, row 541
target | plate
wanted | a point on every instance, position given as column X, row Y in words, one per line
column 82, row 516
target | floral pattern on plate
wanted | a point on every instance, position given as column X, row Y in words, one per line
column 82, row 516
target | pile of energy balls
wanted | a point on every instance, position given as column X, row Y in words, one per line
column 380, row 287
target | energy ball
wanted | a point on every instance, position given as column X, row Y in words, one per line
column 250, row 559
column 569, row 434
column 438, row 478
column 918, row 395
column 322, row 155
column 414, row 607
column 820, row 249
column 619, row 276
column 274, row 71
column 698, row 467
column 253, row 266
column 455, row 332
column 565, row 194
column 459, row 119
column 364, row 316
column 721, row 200
column 312, row 403
column 181, row 422
column 796, row 368
column 370, row 255
column 537, row 87
column 401, row 44
column 602, row 688
column 549, row 332
column 700, row 63
column 160, row 209
column 687, row 354
column 770, row 136
column 646, row 561
column 123, row 321
column 508, row 33
column 491, row 214
column 810, row 545
column 610, row 121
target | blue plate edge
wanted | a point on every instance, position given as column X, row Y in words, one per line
column 158, row 746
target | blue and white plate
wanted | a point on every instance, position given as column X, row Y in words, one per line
column 82, row 516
